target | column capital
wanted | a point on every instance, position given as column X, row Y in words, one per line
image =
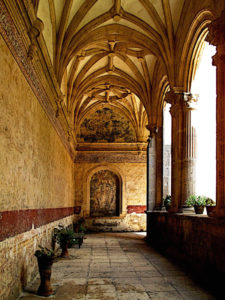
column 216, row 28
column 216, row 37
column 218, row 59
column 153, row 130
column 182, row 99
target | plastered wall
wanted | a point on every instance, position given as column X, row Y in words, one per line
column 133, row 193
column 36, row 170
column 36, row 173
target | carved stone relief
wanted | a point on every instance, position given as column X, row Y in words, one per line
column 104, row 194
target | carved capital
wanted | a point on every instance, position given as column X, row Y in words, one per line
column 190, row 100
column 181, row 99
column 218, row 59
column 216, row 34
column 153, row 129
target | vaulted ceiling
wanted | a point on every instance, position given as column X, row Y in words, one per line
column 122, row 53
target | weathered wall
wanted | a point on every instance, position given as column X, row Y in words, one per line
column 36, row 173
column 196, row 241
column 18, row 265
column 133, row 194
column 36, row 170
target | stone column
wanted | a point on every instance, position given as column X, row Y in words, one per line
column 183, row 157
column 159, row 169
column 151, row 169
column 216, row 37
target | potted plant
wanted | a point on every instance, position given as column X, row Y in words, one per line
column 210, row 205
column 65, row 236
column 199, row 202
column 45, row 258
column 79, row 226
column 167, row 202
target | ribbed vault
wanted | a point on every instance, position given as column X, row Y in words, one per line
column 122, row 53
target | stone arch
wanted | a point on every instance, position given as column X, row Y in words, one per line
column 121, row 187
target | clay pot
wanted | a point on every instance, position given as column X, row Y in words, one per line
column 45, row 270
column 210, row 209
column 65, row 252
column 199, row 209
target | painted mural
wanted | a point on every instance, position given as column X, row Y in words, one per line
column 104, row 194
column 106, row 126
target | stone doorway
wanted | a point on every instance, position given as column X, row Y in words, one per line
column 104, row 194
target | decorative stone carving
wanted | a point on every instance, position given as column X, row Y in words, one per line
column 34, row 33
column 104, row 196
column 109, row 157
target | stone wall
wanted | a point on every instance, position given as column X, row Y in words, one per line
column 132, row 177
column 18, row 265
column 198, row 242
column 36, row 170
column 36, row 178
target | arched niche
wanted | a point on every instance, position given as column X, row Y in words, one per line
column 117, row 179
column 105, row 194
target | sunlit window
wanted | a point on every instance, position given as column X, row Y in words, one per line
column 204, row 120
column 166, row 150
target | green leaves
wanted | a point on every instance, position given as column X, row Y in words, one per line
column 167, row 200
column 65, row 236
column 44, row 252
column 196, row 200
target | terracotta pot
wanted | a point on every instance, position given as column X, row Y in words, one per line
column 65, row 252
column 199, row 209
column 210, row 209
column 45, row 266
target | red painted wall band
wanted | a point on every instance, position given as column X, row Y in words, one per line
column 19, row 221
column 139, row 209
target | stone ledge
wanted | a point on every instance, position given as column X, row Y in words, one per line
column 189, row 215
column 197, row 242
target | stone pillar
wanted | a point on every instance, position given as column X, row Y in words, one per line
column 216, row 37
column 183, row 157
column 151, row 169
column 159, row 169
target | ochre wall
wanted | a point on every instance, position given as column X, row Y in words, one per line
column 36, row 173
column 133, row 177
column 36, row 170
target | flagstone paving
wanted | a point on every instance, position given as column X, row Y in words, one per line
column 119, row 266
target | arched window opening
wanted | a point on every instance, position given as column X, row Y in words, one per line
column 204, row 120
column 105, row 194
column 166, row 150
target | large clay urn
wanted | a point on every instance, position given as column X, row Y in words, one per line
column 45, row 269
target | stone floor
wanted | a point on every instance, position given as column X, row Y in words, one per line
column 118, row 266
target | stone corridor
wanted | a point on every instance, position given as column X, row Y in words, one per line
column 118, row 266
